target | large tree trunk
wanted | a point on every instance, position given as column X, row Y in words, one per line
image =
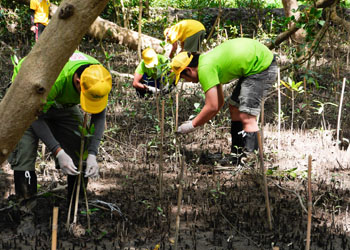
column 102, row 29
column 25, row 98
column 290, row 9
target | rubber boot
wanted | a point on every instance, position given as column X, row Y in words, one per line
column 237, row 140
column 25, row 184
column 72, row 186
column 250, row 140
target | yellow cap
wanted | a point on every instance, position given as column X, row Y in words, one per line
column 150, row 58
column 179, row 63
column 96, row 83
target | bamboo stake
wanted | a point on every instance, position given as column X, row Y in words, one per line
column 139, row 32
column 339, row 112
column 309, row 206
column 265, row 189
column 80, row 169
column 181, row 163
column 54, row 229
column 161, row 152
column 279, row 109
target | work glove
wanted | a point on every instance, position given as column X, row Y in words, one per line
column 186, row 127
column 153, row 89
column 91, row 166
column 66, row 163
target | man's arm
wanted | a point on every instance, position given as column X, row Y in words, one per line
column 137, row 82
column 99, row 122
column 32, row 27
column 214, row 100
column 43, row 131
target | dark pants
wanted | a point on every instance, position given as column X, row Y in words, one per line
column 64, row 125
column 39, row 29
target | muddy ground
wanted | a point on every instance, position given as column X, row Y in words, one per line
column 222, row 206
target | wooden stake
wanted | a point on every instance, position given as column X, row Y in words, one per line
column 54, row 229
column 279, row 110
column 265, row 189
column 161, row 152
column 179, row 195
column 339, row 112
column 309, row 205
column 139, row 45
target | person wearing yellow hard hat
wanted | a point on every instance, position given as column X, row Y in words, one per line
column 83, row 80
column 148, row 76
column 190, row 33
column 39, row 16
column 245, row 59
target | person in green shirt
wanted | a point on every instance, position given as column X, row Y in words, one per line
column 245, row 59
column 148, row 76
column 83, row 80
column 190, row 33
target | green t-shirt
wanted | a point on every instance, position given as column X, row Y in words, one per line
column 231, row 60
column 63, row 91
column 151, row 72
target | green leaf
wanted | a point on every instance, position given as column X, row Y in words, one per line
column 321, row 22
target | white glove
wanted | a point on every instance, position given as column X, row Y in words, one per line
column 91, row 166
column 186, row 127
column 153, row 89
column 66, row 163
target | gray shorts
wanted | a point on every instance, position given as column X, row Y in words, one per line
column 250, row 90
column 193, row 43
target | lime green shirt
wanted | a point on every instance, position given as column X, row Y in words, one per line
column 63, row 91
column 231, row 60
column 151, row 72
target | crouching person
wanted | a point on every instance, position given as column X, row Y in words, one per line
column 148, row 76
column 245, row 59
column 84, row 81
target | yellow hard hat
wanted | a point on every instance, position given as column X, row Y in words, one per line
column 179, row 63
column 96, row 83
column 150, row 58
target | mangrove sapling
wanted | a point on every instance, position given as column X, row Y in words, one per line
column 293, row 87
column 84, row 132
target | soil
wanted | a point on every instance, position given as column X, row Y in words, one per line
column 222, row 205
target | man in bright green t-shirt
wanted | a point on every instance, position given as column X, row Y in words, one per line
column 148, row 76
column 190, row 33
column 83, row 80
column 245, row 59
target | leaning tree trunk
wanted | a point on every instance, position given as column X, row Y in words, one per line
column 291, row 9
column 25, row 98
column 286, row 34
column 104, row 29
